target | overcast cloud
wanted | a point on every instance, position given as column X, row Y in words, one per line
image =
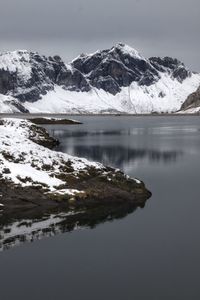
column 70, row 27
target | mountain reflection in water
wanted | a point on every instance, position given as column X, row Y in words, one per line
column 119, row 156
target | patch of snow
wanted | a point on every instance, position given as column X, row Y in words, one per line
column 68, row 192
column 129, row 51
column 137, row 180
column 85, row 55
column 26, row 170
column 28, row 158
column 16, row 61
column 69, row 67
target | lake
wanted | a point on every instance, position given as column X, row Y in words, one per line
column 152, row 253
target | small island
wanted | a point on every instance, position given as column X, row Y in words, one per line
column 53, row 121
column 32, row 175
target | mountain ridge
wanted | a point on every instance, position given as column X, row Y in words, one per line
column 114, row 80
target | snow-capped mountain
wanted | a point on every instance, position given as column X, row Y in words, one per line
column 117, row 80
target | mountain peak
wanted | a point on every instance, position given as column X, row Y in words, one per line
column 124, row 49
column 127, row 50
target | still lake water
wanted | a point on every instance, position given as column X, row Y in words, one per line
column 153, row 253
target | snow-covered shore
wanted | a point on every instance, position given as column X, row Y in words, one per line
column 24, row 162
column 32, row 174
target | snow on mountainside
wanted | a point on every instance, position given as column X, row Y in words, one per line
column 134, row 99
column 17, row 61
column 116, row 80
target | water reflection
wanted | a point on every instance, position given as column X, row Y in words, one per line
column 120, row 156
column 63, row 132
column 31, row 226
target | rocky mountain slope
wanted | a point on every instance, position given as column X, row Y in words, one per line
column 192, row 103
column 116, row 80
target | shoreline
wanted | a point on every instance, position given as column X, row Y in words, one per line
column 64, row 115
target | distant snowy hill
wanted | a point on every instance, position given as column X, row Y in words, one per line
column 117, row 80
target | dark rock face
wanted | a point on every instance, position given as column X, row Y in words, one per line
column 115, row 68
column 120, row 66
column 192, row 101
column 171, row 65
column 107, row 83
column 7, row 81
column 109, row 70
column 44, row 74
column 19, row 106
column 73, row 81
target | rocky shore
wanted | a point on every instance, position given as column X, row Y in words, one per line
column 32, row 176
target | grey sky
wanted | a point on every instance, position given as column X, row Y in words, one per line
column 70, row 27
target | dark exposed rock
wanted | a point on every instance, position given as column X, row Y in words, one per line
column 171, row 65
column 7, row 81
column 192, row 101
column 104, row 69
column 107, row 83
column 181, row 73
column 40, row 136
column 147, row 79
column 115, row 68
column 19, row 106
column 52, row 121
column 6, row 171
column 73, row 80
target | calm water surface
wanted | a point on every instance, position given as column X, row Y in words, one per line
column 153, row 253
